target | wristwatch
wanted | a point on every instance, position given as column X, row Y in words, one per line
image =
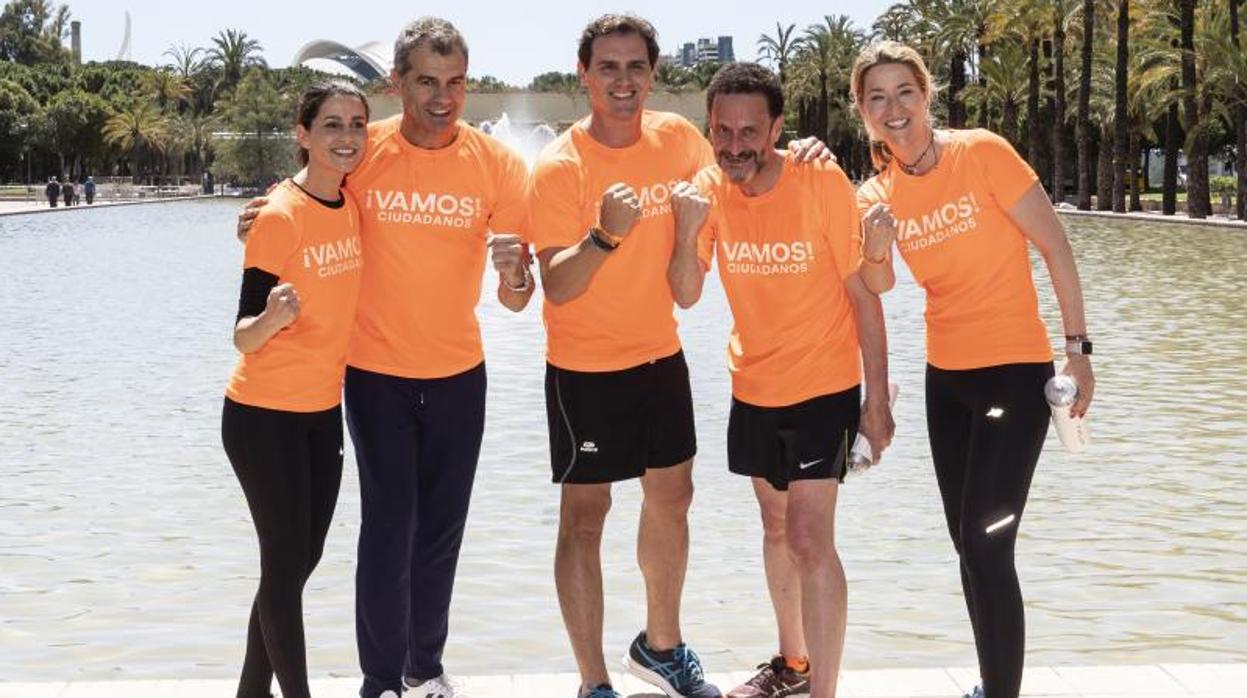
column 604, row 240
column 527, row 283
column 1077, row 344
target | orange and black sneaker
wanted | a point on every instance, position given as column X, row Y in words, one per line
column 775, row 679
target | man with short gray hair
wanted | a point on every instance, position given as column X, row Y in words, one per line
column 435, row 197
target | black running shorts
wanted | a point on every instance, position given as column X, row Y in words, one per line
column 614, row 425
column 806, row 441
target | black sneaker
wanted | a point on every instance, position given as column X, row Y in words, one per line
column 775, row 679
column 677, row 671
column 976, row 693
column 603, row 690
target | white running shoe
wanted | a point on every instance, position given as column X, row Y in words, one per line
column 440, row 687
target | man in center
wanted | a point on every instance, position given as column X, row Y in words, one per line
column 617, row 387
column 787, row 240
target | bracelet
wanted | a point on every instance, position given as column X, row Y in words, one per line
column 881, row 260
column 600, row 242
column 1075, row 337
column 528, row 283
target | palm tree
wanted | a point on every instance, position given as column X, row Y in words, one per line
column 186, row 60
column 1121, row 126
column 1005, row 83
column 1060, row 16
column 135, row 128
column 1025, row 22
column 673, row 76
column 1238, row 117
column 820, row 80
column 233, row 52
column 779, row 49
column 168, row 88
column 1084, row 106
column 895, row 24
column 1198, row 204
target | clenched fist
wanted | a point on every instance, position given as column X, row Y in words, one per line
column 510, row 257
column 690, row 209
column 878, row 232
column 282, row 305
column 620, row 210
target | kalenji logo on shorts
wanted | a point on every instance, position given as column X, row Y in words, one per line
column 443, row 210
column 333, row 258
column 768, row 258
column 940, row 225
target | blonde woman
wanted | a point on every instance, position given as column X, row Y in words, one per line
column 961, row 207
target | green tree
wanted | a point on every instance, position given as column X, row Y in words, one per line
column 1083, row 124
column 779, row 49
column 675, row 77
column 259, row 117
column 1121, row 106
column 1198, row 204
column 1239, row 117
column 1005, row 84
column 74, row 124
column 31, row 31
column 137, row 129
column 18, row 111
column 488, row 84
column 554, row 81
column 233, row 52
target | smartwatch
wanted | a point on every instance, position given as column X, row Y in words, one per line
column 1077, row 344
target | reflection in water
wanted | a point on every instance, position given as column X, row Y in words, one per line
column 126, row 548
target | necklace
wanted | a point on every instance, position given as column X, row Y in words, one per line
column 912, row 168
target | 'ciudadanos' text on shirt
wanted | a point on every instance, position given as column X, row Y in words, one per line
column 423, row 208
column 333, row 258
column 939, row 225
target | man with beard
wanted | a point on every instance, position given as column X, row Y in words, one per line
column 432, row 193
column 787, row 241
column 618, row 401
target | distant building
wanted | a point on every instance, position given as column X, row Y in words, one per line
column 687, row 55
column 707, row 50
column 366, row 63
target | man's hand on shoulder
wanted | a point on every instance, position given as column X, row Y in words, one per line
column 810, row 149
column 247, row 216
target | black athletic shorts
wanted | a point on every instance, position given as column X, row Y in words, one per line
column 613, row 425
column 806, row 441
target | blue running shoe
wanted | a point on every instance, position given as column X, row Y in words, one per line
column 601, row 691
column 677, row 672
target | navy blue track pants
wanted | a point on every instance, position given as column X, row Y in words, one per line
column 417, row 442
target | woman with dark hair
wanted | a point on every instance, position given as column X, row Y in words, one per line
column 282, row 420
column 961, row 207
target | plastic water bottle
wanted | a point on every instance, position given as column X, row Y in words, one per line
column 1061, row 391
column 861, row 455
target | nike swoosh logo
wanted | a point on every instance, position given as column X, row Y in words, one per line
column 811, row 464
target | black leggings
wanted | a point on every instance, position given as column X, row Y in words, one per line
column 290, row 467
column 987, row 428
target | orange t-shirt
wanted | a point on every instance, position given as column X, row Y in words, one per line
column 783, row 256
column 425, row 217
column 955, row 233
column 317, row 249
column 625, row 317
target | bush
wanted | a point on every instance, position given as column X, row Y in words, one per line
column 1222, row 184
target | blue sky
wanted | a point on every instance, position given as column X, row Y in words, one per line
column 510, row 40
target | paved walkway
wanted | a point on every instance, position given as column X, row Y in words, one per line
column 13, row 208
column 1141, row 681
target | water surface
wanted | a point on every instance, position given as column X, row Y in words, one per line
column 126, row 549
